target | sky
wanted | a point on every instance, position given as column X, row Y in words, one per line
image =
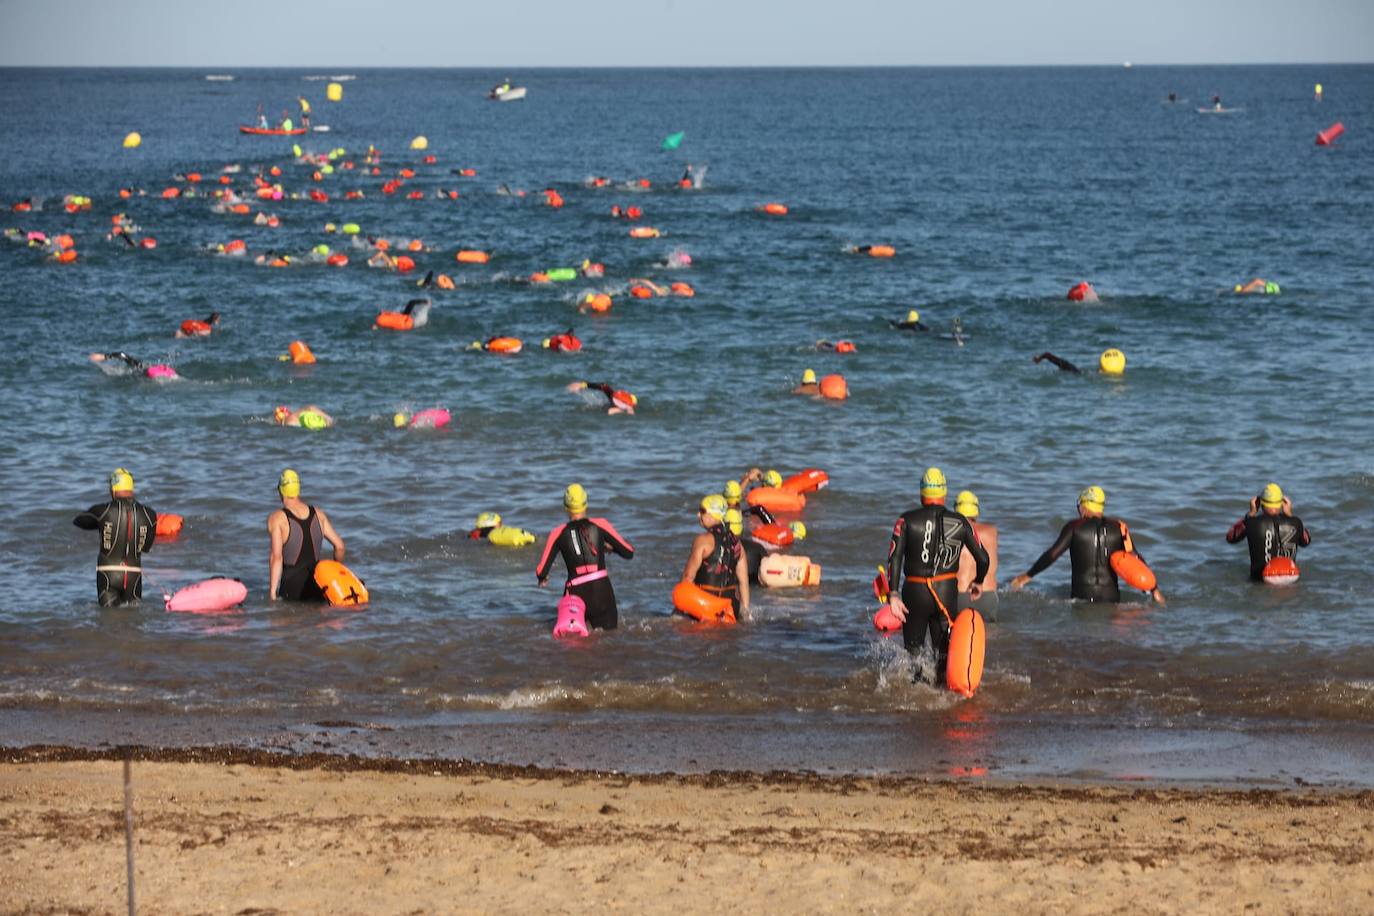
column 564, row 33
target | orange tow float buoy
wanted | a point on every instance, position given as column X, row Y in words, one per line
column 683, row 289
column 467, row 256
column 300, row 353
column 641, row 292
column 341, row 588
column 806, row 481
column 967, row 646
column 337, row 259
column 774, row 209
column 504, row 345
column 596, row 302
column 168, row 525
column 776, row 499
column 1133, row 570
column 1280, row 571
column 834, row 387
column 699, row 604
column 644, row 232
column 394, row 321
column 775, row 534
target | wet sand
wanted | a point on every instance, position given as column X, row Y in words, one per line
column 241, row 831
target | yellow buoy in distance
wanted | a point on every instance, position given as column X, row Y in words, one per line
column 1112, row 362
column 334, row 92
column 133, row 140
column 420, row 142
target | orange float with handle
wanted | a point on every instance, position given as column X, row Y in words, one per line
column 776, row 499
column 641, row 292
column 300, row 353
column 967, row 647
column 1280, row 571
column 337, row 259
column 394, row 321
column 168, row 525
column 596, row 302
column 66, row 257
column 471, row 256
column 405, row 264
column 834, row 387
column 807, row 481
column 1133, row 570
column 845, row 346
column 699, row 604
column 775, row 534
column 884, row 621
column 341, row 588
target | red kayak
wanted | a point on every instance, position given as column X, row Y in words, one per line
column 271, row 131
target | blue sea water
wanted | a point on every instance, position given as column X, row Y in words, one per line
column 999, row 188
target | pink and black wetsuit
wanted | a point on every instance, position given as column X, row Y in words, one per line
column 583, row 544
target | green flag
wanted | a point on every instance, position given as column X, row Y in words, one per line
column 673, row 141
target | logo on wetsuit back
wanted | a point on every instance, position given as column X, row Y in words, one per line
column 948, row 555
column 1287, row 537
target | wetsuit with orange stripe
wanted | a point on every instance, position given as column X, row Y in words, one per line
column 127, row 529
column 1091, row 541
column 924, row 558
column 583, row 544
column 717, row 573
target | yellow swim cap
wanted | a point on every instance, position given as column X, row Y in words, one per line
column 913, row 316
column 734, row 521
column 798, row 530
column 1094, row 499
column 933, row 485
column 772, row 479
column 546, row 342
column 488, row 520
column 1272, row 497
column 809, row 377
column 714, row 506
column 399, row 420
column 121, row 481
column 289, row 484
column 1112, row 362
column 966, row 504
column 575, row 498
column 732, row 492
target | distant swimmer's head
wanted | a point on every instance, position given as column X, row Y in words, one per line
column 809, row 377
column 399, row 419
column 913, row 316
column 1112, row 362
column 713, row 508
column 575, row 498
column 289, row 484
column 281, row 413
column 1092, row 500
column 798, row 531
column 1272, row 497
column 734, row 521
column 488, row 520
column 934, row 488
column 966, row 504
column 121, row 481
column 732, row 492
column 772, row 478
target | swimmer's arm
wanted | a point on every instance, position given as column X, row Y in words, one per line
column 742, row 574
column 896, row 553
column 90, row 519
column 277, row 537
column 1237, row 532
column 1055, row 552
column 981, row 561
column 1063, row 364
column 541, row 572
column 700, row 548
column 330, row 534
column 618, row 544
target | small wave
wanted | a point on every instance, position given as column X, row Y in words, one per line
column 219, row 77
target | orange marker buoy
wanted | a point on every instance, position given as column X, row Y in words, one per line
column 1326, row 137
column 1133, row 570
column 300, row 353
column 774, row 209
column 468, row 256
column 834, row 387
column 699, row 604
column 1280, row 571
column 168, row 525
column 967, row 645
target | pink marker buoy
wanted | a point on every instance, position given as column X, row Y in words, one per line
column 1331, row 133
column 572, row 617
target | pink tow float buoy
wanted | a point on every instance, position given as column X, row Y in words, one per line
column 207, row 596
column 572, row 617
column 886, row 621
column 161, row 371
column 433, row 418
column 1331, row 133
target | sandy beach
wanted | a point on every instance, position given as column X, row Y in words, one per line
column 233, row 831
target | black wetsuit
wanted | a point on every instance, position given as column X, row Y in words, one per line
column 127, row 529
column 1091, row 541
column 762, row 514
column 583, row 543
column 907, row 325
column 299, row 556
column 1269, row 536
column 754, row 554
column 717, row 573
column 1062, row 363
column 924, row 559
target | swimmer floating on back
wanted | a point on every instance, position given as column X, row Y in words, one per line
column 620, row 401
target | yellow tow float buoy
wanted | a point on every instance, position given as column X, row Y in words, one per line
column 420, row 142
column 133, row 140
column 334, row 92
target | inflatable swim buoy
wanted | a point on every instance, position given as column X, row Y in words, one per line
column 394, row 321
column 787, row 571
column 967, row 645
column 774, row 209
column 431, row 418
column 66, row 257
column 597, row 302
column 572, row 617
column 341, row 588
column 563, row 343
column 337, row 259
column 683, row 289
column 775, row 534
column 192, row 327
column 561, row 274
column 1133, row 570
column 300, row 353
column 881, row 251
column 405, row 264
column 845, row 346
column 700, row 604
column 885, row 621
column 506, row 536
column 168, row 525
column 208, row 595
column 644, row 232
column 161, row 372
column 1280, row 571
column 641, row 292
column 468, row 256
column 776, row 499
column 834, row 387
column 508, row 345
column 1083, row 292
column 807, row 481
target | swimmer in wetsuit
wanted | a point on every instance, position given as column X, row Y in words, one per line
column 924, row 558
column 1063, row 364
column 717, row 563
column 808, row 385
column 620, row 401
column 121, row 363
column 1091, row 539
column 583, row 543
column 194, row 328
column 127, row 529
column 911, row 323
column 1270, row 529
column 297, row 532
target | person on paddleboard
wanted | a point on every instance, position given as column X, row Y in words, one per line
column 1270, row 529
column 127, row 529
column 297, row 532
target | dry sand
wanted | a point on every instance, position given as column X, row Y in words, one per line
column 230, row 831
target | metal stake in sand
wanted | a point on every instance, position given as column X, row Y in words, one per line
column 129, row 831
